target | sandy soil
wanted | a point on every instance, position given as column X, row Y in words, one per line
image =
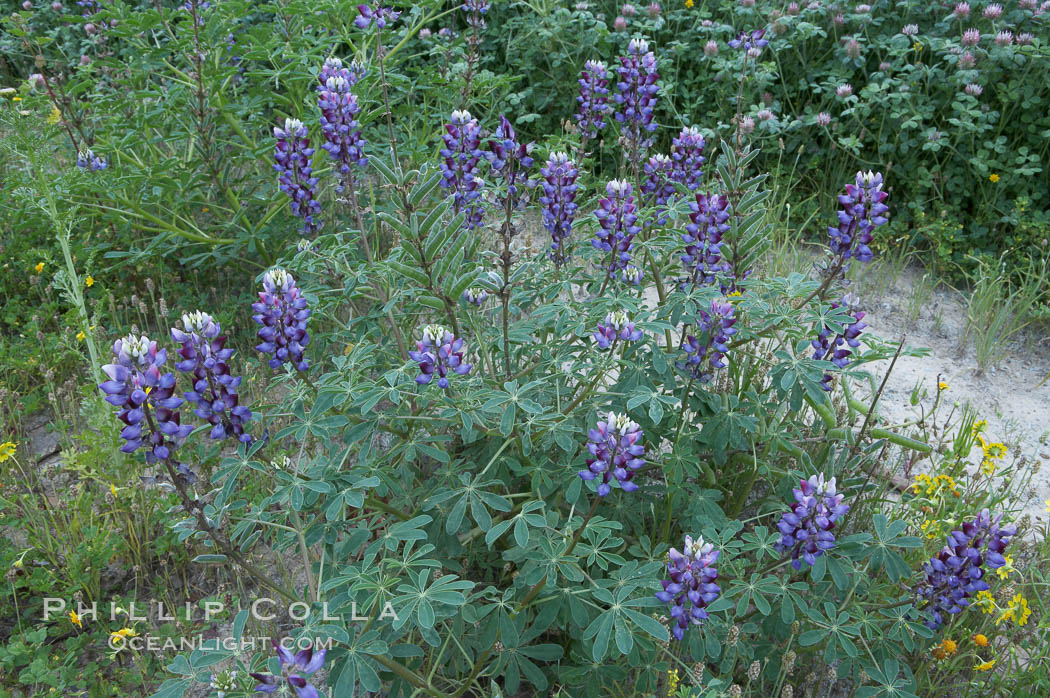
column 1017, row 411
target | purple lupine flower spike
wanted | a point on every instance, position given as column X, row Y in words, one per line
column 828, row 345
column 475, row 296
column 510, row 160
column 334, row 68
column 204, row 357
column 956, row 574
column 862, row 211
column 748, row 41
column 339, row 109
column 282, row 312
column 381, row 16
column 438, row 353
column 636, row 94
column 709, row 221
column 295, row 172
column 87, row 160
column 687, row 150
column 657, row 188
column 293, row 670
column 805, row 531
column 616, row 445
column 617, row 217
column 559, row 203
column 476, row 10
column 616, row 328
column 705, row 352
column 459, row 171
column 146, row 398
column 691, row 585
column 593, row 100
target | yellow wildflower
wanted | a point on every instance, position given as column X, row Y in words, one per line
column 1046, row 506
column 942, row 386
column 994, row 450
column 123, row 633
column 917, row 46
column 75, row 619
column 688, row 3
column 993, row 178
column 1006, row 569
column 55, row 116
column 113, row 490
column 985, row 601
column 1017, row 611
column 984, row 666
column 39, row 267
column 672, row 681
column 89, row 281
column 980, row 640
column 979, row 426
column 81, row 336
column 945, row 649
column 7, row 449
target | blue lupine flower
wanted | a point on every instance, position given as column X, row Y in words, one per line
column 204, row 356
column 616, row 214
column 381, row 16
column 282, row 312
column 459, row 170
column 709, row 220
column 593, row 99
column 616, row 328
column 476, row 10
column 749, row 41
column 687, row 150
column 475, row 296
column 618, row 452
column 657, row 188
column 805, row 531
column 295, row 172
column 438, row 353
column 706, row 351
column 828, row 345
column 956, row 574
column 293, row 670
column 862, row 211
column 510, row 160
column 559, row 203
column 691, row 585
column 636, row 94
column 87, row 160
column 343, row 140
column 333, row 68
column 146, row 398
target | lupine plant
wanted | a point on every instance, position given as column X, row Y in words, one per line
column 516, row 487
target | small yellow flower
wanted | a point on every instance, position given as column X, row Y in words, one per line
column 979, row 426
column 945, row 649
column 1006, row 569
column 985, row 601
column 81, row 336
column 89, row 281
column 1047, row 506
column 39, row 267
column 942, row 386
column 75, row 619
column 917, row 46
column 16, row 99
column 123, row 633
column 113, row 490
column 55, row 116
column 7, row 449
column 672, row 681
column 980, row 640
column 993, row 178
column 688, row 3
column 984, row 666
column 1017, row 611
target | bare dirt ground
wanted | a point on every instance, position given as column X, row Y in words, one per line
column 1008, row 395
